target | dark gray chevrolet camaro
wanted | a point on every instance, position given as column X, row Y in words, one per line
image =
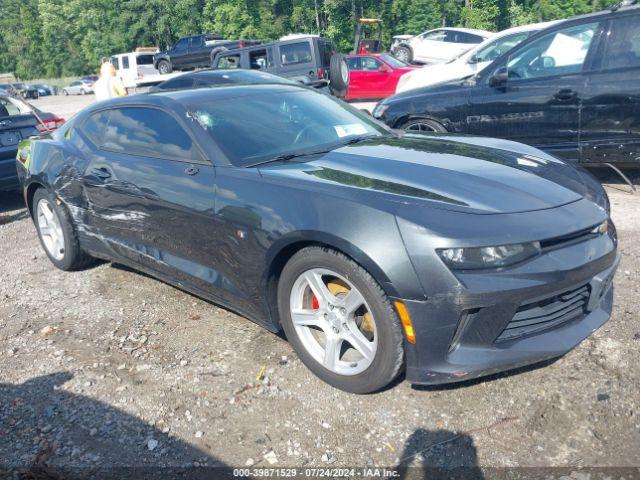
column 447, row 256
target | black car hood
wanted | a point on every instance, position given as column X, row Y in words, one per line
column 448, row 172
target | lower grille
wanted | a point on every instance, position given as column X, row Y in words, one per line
column 547, row 313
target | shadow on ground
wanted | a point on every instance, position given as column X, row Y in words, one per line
column 47, row 432
column 438, row 454
column 12, row 207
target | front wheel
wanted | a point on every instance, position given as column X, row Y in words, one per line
column 339, row 321
column 56, row 233
column 424, row 125
column 404, row 54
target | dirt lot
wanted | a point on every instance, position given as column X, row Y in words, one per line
column 107, row 367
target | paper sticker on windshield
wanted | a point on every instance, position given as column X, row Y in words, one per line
column 350, row 129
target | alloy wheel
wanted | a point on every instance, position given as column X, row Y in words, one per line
column 333, row 321
column 50, row 229
column 420, row 127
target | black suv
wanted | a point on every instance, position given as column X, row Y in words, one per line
column 571, row 90
column 195, row 51
column 305, row 59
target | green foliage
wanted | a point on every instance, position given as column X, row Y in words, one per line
column 54, row 38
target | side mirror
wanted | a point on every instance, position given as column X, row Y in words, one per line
column 384, row 69
column 499, row 78
column 473, row 59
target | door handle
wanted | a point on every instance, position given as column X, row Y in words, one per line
column 566, row 94
column 101, row 173
column 191, row 170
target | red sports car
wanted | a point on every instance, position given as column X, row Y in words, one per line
column 374, row 75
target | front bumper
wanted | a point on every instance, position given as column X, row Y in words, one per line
column 460, row 336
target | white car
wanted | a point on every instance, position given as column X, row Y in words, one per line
column 133, row 67
column 469, row 62
column 438, row 45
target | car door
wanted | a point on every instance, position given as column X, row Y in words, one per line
column 198, row 54
column 74, row 88
column 611, row 113
column 428, row 44
column 538, row 97
column 150, row 193
column 180, row 52
column 356, row 78
column 377, row 77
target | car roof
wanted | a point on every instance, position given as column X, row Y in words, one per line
column 527, row 28
column 484, row 33
column 166, row 98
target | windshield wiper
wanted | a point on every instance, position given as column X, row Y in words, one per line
column 359, row 139
column 286, row 157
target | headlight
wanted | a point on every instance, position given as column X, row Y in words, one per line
column 379, row 110
column 488, row 257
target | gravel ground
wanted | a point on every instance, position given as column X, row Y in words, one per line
column 107, row 367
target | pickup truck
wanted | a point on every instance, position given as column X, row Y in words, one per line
column 195, row 51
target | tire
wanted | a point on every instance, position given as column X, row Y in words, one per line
column 65, row 93
column 164, row 67
column 83, row 91
column 404, row 54
column 351, row 374
column 69, row 256
column 338, row 75
column 424, row 125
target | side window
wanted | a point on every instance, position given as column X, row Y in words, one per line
column 470, row 38
column 258, row 59
column 353, row 63
column 454, row 37
column 436, row 36
column 144, row 60
column 181, row 44
column 147, row 132
column 562, row 52
column 295, row 53
column 125, row 62
column 115, row 62
column 96, row 126
column 229, row 61
column 623, row 44
column 371, row 63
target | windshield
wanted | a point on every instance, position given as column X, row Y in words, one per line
column 254, row 129
column 394, row 62
column 502, row 45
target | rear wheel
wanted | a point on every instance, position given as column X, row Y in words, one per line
column 424, row 125
column 404, row 54
column 56, row 233
column 339, row 321
column 65, row 92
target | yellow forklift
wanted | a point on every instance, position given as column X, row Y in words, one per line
column 363, row 44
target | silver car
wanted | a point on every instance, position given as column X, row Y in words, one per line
column 79, row 87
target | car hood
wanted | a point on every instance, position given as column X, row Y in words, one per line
column 468, row 174
column 454, row 86
column 436, row 74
